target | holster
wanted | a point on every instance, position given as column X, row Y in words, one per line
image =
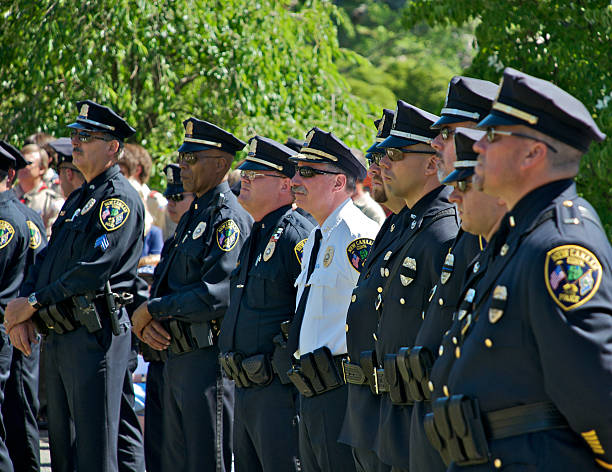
column 152, row 355
column 56, row 317
column 368, row 363
column 180, row 337
column 397, row 389
column 281, row 359
column 309, row 369
column 231, row 362
column 414, row 365
column 456, row 431
column 86, row 313
column 258, row 369
column 297, row 378
column 327, row 368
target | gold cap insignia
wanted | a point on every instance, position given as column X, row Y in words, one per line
column 381, row 125
column 84, row 110
column 253, row 147
column 309, row 138
column 169, row 175
column 189, row 128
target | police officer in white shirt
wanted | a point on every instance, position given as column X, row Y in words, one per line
column 333, row 257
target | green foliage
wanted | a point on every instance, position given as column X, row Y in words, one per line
column 255, row 67
column 566, row 42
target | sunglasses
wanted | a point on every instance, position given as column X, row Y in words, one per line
column 178, row 197
column 463, row 185
column 395, row 154
column 190, row 158
column 308, row 172
column 375, row 158
column 491, row 132
column 447, row 133
column 84, row 137
column 252, row 175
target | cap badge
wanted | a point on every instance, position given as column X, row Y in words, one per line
column 309, row 137
column 84, row 110
column 253, row 147
column 381, row 125
column 189, row 128
column 169, row 175
column 328, row 256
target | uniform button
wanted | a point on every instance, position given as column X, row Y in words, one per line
column 488, row 343
column 346, row 328
column 568, row 203
column 511, row 221
column 440, row 350
column 423, row 315
column 454, row 340
column 379, row 289
column 91, row 187
column 386, row 272
column 504, row 250
column 402, row 301
column 457, row 352
column 431, row 386
column 374, row 336
column 392, row 227
column 353, row 298
column 440, row 301
column 497, row 463
column 445, row 390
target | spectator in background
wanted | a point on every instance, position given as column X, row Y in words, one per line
column 361, row 197
column 50, row 177
column 32, row 190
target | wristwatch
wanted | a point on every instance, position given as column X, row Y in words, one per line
column 33, row 301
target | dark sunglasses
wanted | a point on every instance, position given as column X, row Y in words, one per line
column 375, row 158
column 251, row 175
column 446, row 133
column 84, row 137
column 190, row 158
column 308, row 172
column 491, row 132
column 463, row 185
column 178, row 197
column 395, row 154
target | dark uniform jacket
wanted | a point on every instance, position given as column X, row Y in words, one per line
column 438, row 319
column 361, row 417
column 262, row 285
column 192, row 279
column 14, row 242
column 38, row 239
column 539, row 329
column 97, row 236
column 413, row 272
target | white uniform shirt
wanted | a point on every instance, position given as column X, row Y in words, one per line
column 346, row 232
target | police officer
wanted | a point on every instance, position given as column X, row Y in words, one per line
column 70, row 178
column 78, row 287
column 467, row 101
column 411, row 271
column 20, row 405
column 179, row 202
column 535, row 327
column 262, row 297
column 188, row 298
column 333, row 258
column 480, row 217
column 362, row 409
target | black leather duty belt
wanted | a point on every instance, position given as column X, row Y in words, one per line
column 460, row 432
column 318, row 372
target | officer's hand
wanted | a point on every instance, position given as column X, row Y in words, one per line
column 17, row 311
column 156, row 336
column 140, row 319
column 23, row 335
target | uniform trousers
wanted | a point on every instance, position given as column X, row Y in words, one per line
column 321, row 418
column 153, row 416
column 6, row 354
column 366, row 460
column 85, row 374
column 197, row 413
column 20, row 409
column 266, row 428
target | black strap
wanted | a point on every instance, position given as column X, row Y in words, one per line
column 523, row 419
column 296, row 324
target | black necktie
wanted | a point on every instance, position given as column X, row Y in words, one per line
column 296, row 323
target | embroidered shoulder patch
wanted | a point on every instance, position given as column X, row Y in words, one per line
column 113, row 213
column 357, row 252
column 35, row 236
column 6, row 233
column 228, row 233
column 572, row 275
column 299, row 250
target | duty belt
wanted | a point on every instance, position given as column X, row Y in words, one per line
column 353, row 373
column 459, row 431
column 318, row 372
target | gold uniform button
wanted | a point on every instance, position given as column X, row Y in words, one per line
column 386, row 272
column 353, row 298
column 497, row 463
column 392, row 227
column 379, row 289
column 440, row 350
column 457, row 352
column 431, row 386
column 440, row 301
column 346, row 328
column 445, row 390
column 488, row 343
column 568, row 203
column 402, row 301
column 454, row 340
column 374, row 336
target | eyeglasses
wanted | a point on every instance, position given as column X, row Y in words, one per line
column 376, row 157
column 463, row 185
column 178, row 197
column 395, row 154
column 491, row 132
column 87, row 138
column 308, row 172
column 447, row 133
column 190, row 158
column 252, row 175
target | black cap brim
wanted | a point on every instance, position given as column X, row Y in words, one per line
column 250, row 165
column 449, row 120
column 173, row 189
column 495, row 119
column 397, row 142
column 193, row 147
column 458, row 174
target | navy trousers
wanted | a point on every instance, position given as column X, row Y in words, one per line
column 153, row 416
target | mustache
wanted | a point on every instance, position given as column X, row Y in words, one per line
column 299, row 189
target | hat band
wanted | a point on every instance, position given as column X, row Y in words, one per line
column 380, row 140
column 264, row 162
column 520, row 114
column 456, row 111
column 416, row 137
column 465, row 163
column 201, row 141
column 95, row 123
column 315, row 153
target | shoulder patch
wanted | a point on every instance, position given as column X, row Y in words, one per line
column 228, row 233
column 6, row 233
column 572, row 275
column 299, row 250
column 113, row 213
column 35, row 236
column 357, row 252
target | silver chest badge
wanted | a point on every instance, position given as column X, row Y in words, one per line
column 500, row 296
column 199, row 230
column 88, row 206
